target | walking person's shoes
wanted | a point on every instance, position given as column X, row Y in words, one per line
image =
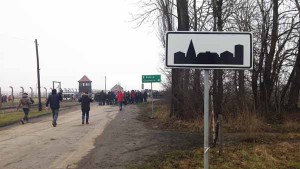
column 54, row 124
column 22, row 121
column 87, row 122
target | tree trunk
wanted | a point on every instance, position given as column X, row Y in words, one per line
column 177, row 78
column 197, row 71
column 174, row 99
column 218, row 78
column 267, row 85
column 295, row 87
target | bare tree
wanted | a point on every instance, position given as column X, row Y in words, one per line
column 275, row 28
column 295, row 76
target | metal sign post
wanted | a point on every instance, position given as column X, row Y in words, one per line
column 152, row 100
column 209, row 50
column 150, row 79
column 206, row 107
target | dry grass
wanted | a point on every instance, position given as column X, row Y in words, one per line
column 244, row 122
column 290, row 126
column 164, row 121
column 16, row 116
column 243, row 156
column 254, row 144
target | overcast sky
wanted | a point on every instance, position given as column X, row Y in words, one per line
column 76, row 38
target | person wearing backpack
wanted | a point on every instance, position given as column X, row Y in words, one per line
column 85, row 106
column 25, row 103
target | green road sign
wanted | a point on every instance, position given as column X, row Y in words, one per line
column 150, row 78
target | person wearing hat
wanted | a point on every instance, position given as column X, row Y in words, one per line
column 25, row 103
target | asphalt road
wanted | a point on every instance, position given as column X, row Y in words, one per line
column 39, row 145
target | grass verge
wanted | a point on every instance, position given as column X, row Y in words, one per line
column 14, row 117
column 160, row 118
column 275, row 147
column 243, row 156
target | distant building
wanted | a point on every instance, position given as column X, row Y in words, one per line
column 85, row 85
column 116, row 88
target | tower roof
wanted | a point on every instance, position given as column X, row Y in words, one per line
column 84, row 79
column 117, row 87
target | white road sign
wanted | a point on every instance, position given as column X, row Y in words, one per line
column 209, row 50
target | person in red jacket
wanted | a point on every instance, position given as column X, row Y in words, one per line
column 120, row 99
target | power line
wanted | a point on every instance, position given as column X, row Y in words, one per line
column 16, row 38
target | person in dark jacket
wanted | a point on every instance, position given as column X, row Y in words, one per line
column 85, row 107
column 54, row 100
column 145, row 95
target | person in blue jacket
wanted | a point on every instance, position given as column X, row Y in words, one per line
column 54, row 101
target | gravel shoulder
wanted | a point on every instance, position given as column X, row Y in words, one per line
column 127, row 141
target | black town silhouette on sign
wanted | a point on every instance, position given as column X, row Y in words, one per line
column 208, row 57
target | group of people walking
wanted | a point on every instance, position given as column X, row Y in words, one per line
column 129, row 97
column 55, row 98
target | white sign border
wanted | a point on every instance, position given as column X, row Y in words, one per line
column 209, row 66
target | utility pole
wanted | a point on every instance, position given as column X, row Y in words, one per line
column 105, row 84
column 38, row 74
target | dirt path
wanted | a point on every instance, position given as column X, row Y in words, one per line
column 126, row 141
column 39, row 145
